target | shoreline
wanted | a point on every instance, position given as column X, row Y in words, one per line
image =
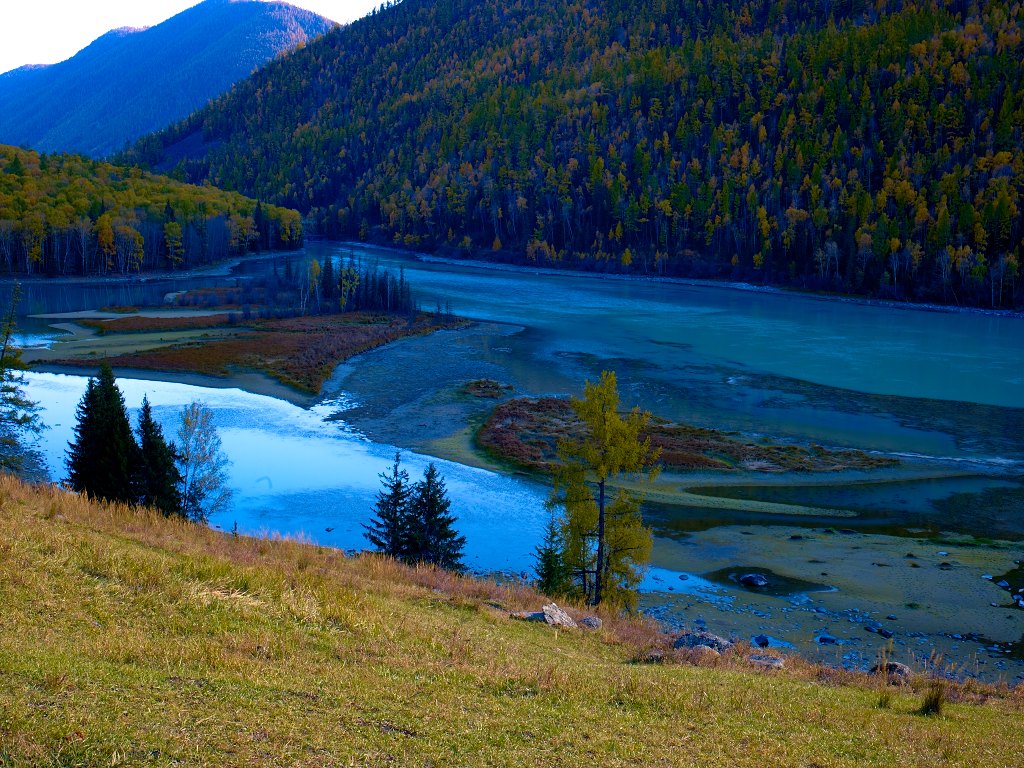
column 695, row 282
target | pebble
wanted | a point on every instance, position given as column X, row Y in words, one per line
column 891, row 617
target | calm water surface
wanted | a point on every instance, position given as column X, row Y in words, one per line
column 942, row 388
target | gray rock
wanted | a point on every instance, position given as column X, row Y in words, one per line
column 826, row 639
column 550, row 614
column 766, row 662
column 702, row 639
column 761, row 641
column 893, row 670
column 591, row 622
column 1004, row 584
column 556, row 617
column 753, row 580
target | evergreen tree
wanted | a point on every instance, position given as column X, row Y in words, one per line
column 432, row 538
column 158, row 478
column 19, row 416
column 102, row 458
column 389, row 530
column 553, row 577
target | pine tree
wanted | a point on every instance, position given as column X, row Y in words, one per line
column 19, row 416
column 158, row 478
column 432, row 538
column 102, row 458
column 389, row 530
column 553, row 577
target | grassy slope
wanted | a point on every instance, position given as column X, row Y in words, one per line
column 127, row 638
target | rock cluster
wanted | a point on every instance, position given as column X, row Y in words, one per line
column 701, row 639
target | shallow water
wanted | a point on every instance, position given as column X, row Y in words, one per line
column 295, row 474
column 943, row 389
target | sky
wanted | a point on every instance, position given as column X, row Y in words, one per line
column 49, row 31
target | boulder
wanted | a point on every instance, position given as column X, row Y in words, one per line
column 591, row 622
column 762, row 661
column 826, row 639
column 893, row 670
column 761, row 641
column 550, row 614
column 701, row 639
column 755, row 580
column 556, row 617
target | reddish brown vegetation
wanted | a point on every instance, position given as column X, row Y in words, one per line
column 526, row 432
column 300, row 351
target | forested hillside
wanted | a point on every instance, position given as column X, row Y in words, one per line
column 870, row 147
column 852, row 146
column 64, row 214
column 130, row 82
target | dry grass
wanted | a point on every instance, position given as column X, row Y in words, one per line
column 525, row 432
column 130, row 639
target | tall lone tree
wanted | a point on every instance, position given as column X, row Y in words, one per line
column 158, row 477
column 203, row 465
column 389, row 530
column 606, row 543
column 103, row 457
column 19, row 416
column 433, row 539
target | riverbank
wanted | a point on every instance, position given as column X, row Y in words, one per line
column 299, row 353
column 689, row 281
column 131, row 638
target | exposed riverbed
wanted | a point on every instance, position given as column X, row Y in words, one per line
column 940, row 391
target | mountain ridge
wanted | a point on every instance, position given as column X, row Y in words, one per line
column 131, row 81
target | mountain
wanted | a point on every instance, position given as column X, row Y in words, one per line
column 130, row 82
column 853, row 146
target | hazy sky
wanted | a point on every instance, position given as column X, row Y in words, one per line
column 48, row 31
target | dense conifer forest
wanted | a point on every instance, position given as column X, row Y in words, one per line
column 67, row 215
column 860, row 147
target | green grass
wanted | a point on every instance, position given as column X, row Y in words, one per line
column 129, row 639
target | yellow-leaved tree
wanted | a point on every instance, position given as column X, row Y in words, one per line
column 605, row 543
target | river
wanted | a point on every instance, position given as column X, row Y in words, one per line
column 940, row 390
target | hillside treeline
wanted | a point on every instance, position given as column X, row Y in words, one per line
column 861, row 147
column 67, row 215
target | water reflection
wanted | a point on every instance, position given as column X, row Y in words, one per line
column 297, row 475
